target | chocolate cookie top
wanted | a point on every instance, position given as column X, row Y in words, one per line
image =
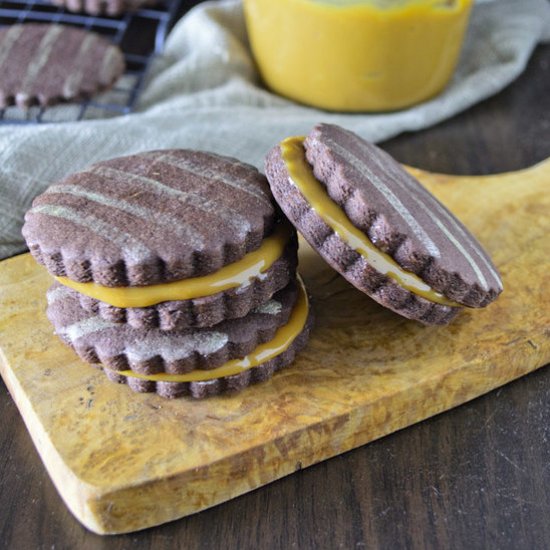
column 400, row 217
column 46, row 64
column 150, row 218
column 121, row 347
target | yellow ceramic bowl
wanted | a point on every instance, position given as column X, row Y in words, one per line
column 357, row 55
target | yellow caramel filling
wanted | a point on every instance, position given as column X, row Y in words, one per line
column 315, row 194
column 230, row 276
column 356, row 55
column 283, row 338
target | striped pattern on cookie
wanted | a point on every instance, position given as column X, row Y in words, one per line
column 400, row 216
column 379, row 227
column 150, row 218
column 120, row 347
column 47, row 64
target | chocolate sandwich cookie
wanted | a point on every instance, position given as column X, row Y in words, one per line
column 47, row 64
column 379, row 227
column 209, row 310
column 112, row 8
column 197, row 362
column 164, row 239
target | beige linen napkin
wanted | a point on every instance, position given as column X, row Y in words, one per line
column 204, row 93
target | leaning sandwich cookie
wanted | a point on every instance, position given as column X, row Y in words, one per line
column 167, row 263
column 379, row 227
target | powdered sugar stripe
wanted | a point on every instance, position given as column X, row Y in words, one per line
column 105, row 72
column 466, row 236
column 271, row 307
column 197, row 169
column 85, row 327
column 398, row 175
column 479, row 253
column 150, row 215
column 239, row 224
column 10, row 38
column 72, row 82
column 57, row 293
column 382, row 188
column 172, row 347
column 457, row 244
column 44, row 50
column 133, row 249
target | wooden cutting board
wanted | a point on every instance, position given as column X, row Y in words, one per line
column 123, row 461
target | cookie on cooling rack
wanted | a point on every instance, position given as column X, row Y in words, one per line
column 379, row 227
column 43, row 64
column 111, row 8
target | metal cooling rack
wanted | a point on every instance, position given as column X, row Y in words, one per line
column 150, row 25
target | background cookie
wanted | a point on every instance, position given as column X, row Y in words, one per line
column 397, row 215
column 45, row 64
column 103, row 7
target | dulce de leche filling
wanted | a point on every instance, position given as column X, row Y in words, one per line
column 282, row 340
column 230, row 276
column 333, row 215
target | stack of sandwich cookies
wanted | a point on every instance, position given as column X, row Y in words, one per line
column 175, row 272
column 379, row 227
column 201, row 362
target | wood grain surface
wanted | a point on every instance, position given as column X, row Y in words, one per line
column 124, row 461
column 474, row 477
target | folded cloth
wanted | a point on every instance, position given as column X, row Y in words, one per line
column 204, row 93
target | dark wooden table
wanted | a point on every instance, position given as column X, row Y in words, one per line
column 474, row 477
